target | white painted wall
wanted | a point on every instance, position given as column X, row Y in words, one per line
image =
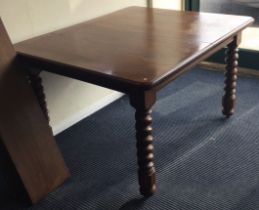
column 68, row 100
column 167, row 4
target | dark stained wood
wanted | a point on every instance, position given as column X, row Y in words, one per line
column 36, row 83
column 24, row 129
column 138, row 51
column 132, row 48
column 143, row 102
column 229, row 99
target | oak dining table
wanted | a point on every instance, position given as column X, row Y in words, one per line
column 137, row 51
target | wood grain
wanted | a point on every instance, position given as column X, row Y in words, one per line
column 133, row 48
column 137, row 51
column 24, row 129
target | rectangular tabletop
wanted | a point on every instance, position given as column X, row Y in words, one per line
column 135, row 46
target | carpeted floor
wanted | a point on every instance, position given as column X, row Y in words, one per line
column 203, row 161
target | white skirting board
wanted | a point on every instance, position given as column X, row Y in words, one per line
column 81, row 114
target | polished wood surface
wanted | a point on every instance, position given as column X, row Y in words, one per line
column 138, row 51
column 24, row 129
column 137, row 47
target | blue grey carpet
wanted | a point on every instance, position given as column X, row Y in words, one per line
column 203, row 160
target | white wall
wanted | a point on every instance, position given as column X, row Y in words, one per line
column 167, row 4
column 68, row 100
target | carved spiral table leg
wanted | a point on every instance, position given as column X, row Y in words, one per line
column 145, row 152
column 36, row 83
column 228, row 100
column 145, row 148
